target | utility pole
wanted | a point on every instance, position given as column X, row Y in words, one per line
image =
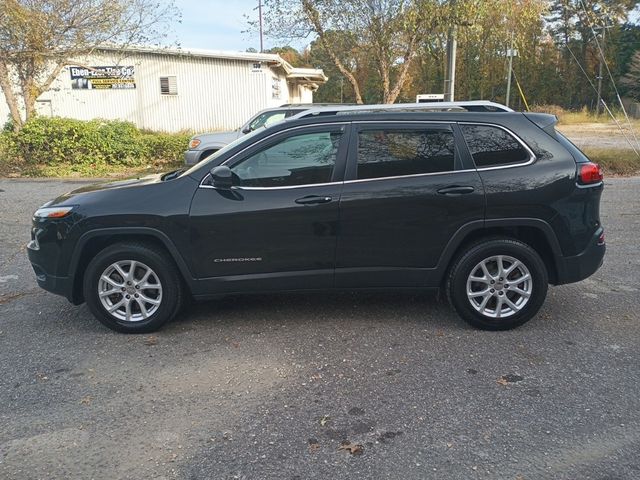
column 599, row 103
column 510, row 53
column 260, row 21
column 450, row 76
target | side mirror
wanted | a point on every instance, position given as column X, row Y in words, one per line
column 222, row 177
column 246, row 130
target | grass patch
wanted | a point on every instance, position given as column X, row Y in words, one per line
column 615, row 161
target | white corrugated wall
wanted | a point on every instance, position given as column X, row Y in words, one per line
column 213, row 93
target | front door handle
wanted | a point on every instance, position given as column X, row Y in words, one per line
column 313, row 200
column 456, row 190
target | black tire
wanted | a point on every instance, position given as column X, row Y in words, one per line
column 467, row 262
column 164, row 271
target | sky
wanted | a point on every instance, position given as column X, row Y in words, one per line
column 217, row 25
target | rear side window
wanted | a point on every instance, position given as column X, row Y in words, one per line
column 493, row 146
column 399, row 152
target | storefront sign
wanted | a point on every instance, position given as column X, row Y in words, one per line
column 103, row 78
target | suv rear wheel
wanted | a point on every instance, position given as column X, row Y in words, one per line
column 133, row 288
column 497, row 284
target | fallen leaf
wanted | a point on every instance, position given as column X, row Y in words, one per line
column 324, row 420
column 152, row 340
column 86, row 400
column 314, row 446
column 352, row 448
column 510, row 378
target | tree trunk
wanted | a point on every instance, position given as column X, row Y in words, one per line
column 12, row 102
column 314, row 18
column 404, row 71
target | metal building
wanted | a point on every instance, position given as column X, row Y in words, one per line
column 173, row 90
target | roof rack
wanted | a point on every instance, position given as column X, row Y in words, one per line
column 462, row 106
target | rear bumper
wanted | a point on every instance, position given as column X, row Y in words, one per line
column 581, row 266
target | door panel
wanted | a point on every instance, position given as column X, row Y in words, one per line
column 243, row 232
column 394, row 229
column 255, row 232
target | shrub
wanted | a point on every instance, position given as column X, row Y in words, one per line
column 165, row 147
column 45, row 145
column 45, row 140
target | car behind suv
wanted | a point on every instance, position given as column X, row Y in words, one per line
column 492, row 207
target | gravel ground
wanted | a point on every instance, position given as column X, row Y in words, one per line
column 267, row 387
column 602, row 135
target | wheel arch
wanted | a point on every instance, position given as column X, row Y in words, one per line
column 536, row 233
column 209, row 150
column 92, row 242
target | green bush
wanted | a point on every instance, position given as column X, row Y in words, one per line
column 165, row 147
column 64, row 146
column 45, row 140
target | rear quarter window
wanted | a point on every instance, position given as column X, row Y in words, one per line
column 493, row 147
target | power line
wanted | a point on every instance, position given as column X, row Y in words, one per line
column 603, row 102
column 613, row 82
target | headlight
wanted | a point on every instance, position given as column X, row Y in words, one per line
column 194, row 143
column 52, row 212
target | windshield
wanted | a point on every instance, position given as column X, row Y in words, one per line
column 210, row 159
column 265, row 119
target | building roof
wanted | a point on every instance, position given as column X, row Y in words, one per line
column 303, row 75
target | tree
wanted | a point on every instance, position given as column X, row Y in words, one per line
column 385, row 32
column 38, row 38
column 631, row 80
column 575, row 26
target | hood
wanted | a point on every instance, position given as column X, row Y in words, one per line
column 72, row 197
column 217, row 138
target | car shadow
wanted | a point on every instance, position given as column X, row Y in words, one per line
column 298, row 308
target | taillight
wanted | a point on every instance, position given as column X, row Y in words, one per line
column 589, row 173
column 601, row 240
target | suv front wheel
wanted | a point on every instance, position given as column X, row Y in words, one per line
column 498, row 284
column 133, row 287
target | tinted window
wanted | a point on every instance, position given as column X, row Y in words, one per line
column 297, row 160
column 392, row 153
column 492, row 146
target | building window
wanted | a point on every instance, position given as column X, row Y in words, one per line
column 169, row 85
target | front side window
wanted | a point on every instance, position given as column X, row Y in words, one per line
column 399, row 152
column 493, row 146
column 303, row 159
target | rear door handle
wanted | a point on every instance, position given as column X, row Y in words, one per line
column 313, row 200
column 456, row 190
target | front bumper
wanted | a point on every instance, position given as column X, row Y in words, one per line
column 191, row 157
column 51, row 283
column 581, row 266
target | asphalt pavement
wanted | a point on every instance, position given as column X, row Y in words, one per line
column 323, row 386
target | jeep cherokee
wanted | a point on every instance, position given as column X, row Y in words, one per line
column 491, row 207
